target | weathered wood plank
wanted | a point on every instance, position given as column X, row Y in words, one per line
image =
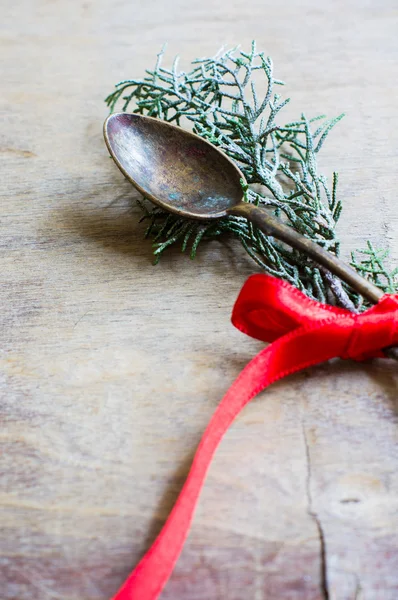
column 110, row 367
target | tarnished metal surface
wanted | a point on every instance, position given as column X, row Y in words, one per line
column 173, row 167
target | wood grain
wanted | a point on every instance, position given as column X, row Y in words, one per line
column 110, row 367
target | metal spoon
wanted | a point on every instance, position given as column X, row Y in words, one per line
column 186, row 175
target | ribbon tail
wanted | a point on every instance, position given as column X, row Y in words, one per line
column 289, row 354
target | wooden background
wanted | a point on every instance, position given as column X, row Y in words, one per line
column 110, row 367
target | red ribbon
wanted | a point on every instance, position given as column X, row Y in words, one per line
column 304, row 333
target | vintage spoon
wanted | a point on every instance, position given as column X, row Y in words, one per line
column 186, row 175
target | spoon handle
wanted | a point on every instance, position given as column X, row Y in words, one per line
column 260, row 216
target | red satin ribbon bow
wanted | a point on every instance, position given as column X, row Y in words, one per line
column 304, row 333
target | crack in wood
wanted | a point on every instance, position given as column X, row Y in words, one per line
column 358, row 590
column 314, row 516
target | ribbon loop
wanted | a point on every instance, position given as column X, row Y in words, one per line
column 268, row 308
column 373, row 330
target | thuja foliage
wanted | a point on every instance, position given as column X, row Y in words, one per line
column 218, row 97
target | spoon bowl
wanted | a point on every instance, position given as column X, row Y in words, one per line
column 183, row 174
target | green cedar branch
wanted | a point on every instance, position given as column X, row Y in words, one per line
column 218, row 96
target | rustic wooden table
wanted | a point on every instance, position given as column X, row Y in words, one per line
column 111, row 368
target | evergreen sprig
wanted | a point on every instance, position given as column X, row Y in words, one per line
column 218, row 96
